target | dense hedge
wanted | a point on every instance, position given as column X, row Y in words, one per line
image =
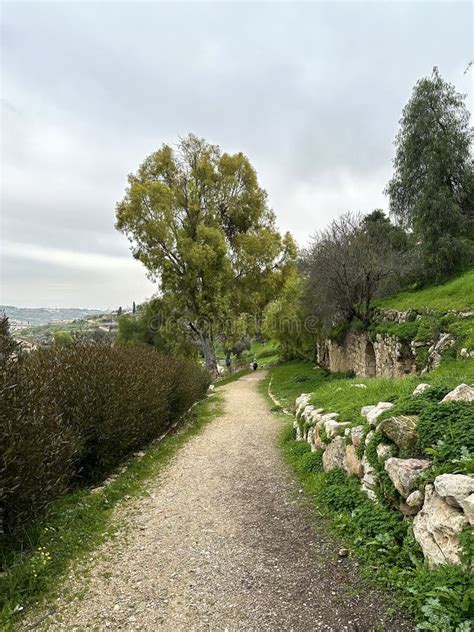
column 70, row 415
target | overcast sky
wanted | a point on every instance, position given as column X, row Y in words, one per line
column 311, row 92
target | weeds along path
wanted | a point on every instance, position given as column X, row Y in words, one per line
column 223, row 542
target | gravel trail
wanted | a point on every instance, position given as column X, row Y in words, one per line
column 223, row 542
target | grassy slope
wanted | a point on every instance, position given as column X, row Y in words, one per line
column 77, row 523
column 457, row 294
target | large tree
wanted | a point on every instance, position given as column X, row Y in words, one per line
column 352, row 262
column 199, row 221
column 432, row 189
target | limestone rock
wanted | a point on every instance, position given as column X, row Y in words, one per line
column 357, row 435
column 369, row 480
column 365, row 410
column 405, row 473
column 463, row 392
column 352, row 463
column 368, row 437
column 454, row 488
column 401, row 429
column 297, row 429
column 384, row 451
column 333, row 427
column 435, row 352
column 415, row 499
column 359, row 385
column 467, row 505
column 301, row 402
column 436, row 529
column 334, row 454
column 421, row 388
column 375, row 413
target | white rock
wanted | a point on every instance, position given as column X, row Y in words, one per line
column 333, row 427
column 415, row 499
column 405, row 473
column 436, row 529
column 375, row 413
column 421, row 388
column 357, row 435
column 297, row 429
column 454, row 488
column 384, row 450
column 334, row 454
column 365, row 410
column 369, row 480
column 463, row 392
column 467, row 505
column 359, row 385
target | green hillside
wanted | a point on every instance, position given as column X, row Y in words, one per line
column 457, row 294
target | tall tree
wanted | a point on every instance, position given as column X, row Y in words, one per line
column 432, row 189
column 199, row 221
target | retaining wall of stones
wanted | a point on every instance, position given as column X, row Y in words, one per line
column 439, row 511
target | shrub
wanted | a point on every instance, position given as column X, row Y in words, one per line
column 71, row 414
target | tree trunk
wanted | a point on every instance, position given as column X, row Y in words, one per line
column 209, row 354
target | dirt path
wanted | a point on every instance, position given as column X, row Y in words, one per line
column 223, row 543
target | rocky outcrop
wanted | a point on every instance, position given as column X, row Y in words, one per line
column 421, row 388
column 401, row 429
column 462, row 393
column 405, row 473
column 437, row 528
column 454, row 488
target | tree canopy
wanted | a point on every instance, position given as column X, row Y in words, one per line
column 199, row 221
column 432, row 189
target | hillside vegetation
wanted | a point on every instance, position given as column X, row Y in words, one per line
column 456, row 294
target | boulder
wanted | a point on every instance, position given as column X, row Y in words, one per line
column 405, row 473
column 352, row 463
column 365, row 410
column 301, row 402
column 369, row 480
column 334, row 428
column 463, row 392
column 454, row 488
column 435, row 352
column 421, row 388
column 467, row 505
column 357, row 435
column 334, row 454
column 415, row 499
column 375, row 413
column 436, row 529
column 401, row 429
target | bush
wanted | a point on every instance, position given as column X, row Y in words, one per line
column 70, row 415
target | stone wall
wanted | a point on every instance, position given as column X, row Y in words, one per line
column 439, row 511
column 385, row 356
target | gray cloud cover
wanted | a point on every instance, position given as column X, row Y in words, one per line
column 311, row 92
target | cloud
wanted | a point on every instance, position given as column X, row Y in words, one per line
column 311, row 92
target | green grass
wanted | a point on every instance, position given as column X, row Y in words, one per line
column 337, row 393
column 293, row 378
column 35, row 563
column 457, row 294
